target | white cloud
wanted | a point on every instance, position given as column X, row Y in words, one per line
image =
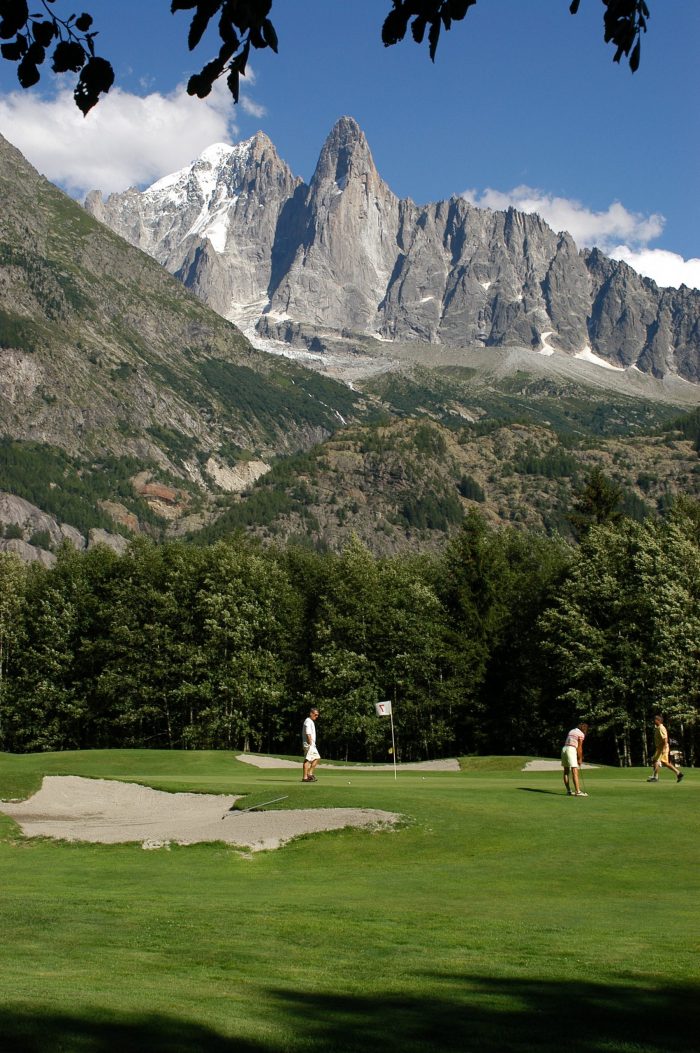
column 126, row 140
column 619, row 233
column 587, row 228
column 666, row 268
column 253, row 109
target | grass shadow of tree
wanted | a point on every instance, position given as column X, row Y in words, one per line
column 504, row 1015
column 24, row 1031
column 464, row 1014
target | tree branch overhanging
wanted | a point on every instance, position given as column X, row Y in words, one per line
column 30, row 38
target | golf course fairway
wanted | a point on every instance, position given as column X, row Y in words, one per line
column 497, row 915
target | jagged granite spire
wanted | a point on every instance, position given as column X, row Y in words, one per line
column 345, row 155
column 348, row 244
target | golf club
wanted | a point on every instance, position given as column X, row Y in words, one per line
column 233, row 810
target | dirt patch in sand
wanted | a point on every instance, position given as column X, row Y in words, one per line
column 71, row 808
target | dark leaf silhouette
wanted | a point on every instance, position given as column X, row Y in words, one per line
column 433, row 37
column 205, row 12
column 15, row 50
column 623, row 23
column 233, row 84
column 14, row 17
column 97, row 77
column 43, row 32
column 418, row 29
column 227, row 50
column 256, row 38
column 243, row 24
column 27, row 73
column 201, row 83
column 198, row 85
column 227, row 31
column 269, row 34
column 634, row 57
column 68, row 56
column 395, row 26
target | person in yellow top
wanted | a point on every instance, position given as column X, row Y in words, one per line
column 661, row 752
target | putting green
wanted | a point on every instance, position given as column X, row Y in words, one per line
column 501, row 916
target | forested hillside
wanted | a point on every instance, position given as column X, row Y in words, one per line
column 495, row 645
column 406, row 480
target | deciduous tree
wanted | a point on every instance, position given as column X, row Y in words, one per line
column 13, row 577
column 623, row 634
column 247, row 611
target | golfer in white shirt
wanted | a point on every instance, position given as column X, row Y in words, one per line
column 308, row 740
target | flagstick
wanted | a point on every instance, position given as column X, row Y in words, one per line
column 385, row 709
column 393, row 743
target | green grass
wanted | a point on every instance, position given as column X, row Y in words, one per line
column 502, row 916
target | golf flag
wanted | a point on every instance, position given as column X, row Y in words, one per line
column 383, row 709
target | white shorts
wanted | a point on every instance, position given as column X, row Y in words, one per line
column 310, row 752
column 569, row 757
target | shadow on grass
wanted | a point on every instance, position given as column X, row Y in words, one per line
column 39, row 1031
column 463, row 1014
column 506, row 1015
column 534, row 789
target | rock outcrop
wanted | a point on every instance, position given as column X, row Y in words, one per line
column 36, row 535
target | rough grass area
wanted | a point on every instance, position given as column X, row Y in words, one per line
column 502, row 916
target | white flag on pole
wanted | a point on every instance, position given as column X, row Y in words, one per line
column 383, row 709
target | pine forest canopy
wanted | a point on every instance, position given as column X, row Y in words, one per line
column 29, row 37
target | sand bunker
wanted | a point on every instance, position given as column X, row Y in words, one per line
column 549, row 765
column 451, row 764
column 70, row 808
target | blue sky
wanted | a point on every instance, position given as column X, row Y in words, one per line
column 523, row 105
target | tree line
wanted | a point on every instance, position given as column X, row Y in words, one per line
column 495, row 645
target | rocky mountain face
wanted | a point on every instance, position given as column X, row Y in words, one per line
column 98, row 343
column 114, row 377
column 344, row 254
column 214, row 225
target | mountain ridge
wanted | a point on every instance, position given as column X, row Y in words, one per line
column 344, row 254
